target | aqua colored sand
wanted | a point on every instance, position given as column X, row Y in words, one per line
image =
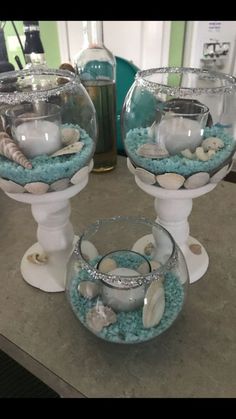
column 128, row 327
column 177, row 163
column 46, row 169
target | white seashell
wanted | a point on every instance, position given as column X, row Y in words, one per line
column 154, row 304
column 10, row 186
column 155, row 265
column 145, row 176
column 149, row 248
column 37, row 188
column 70, row 135
column 60, row 184
column 144, row 268
column 152, row 151
column 197, row 180
column 107, row 265
column 218, row 176
column 212, row 143
column 171, row 181
column 188, row 154
column 89, row 251
column 200, row 154
column 37, row 258
column 131, row 167
column 89, row 289
column 78, row 176
column 70, row 149
column 211, row 153
column 9, row 149
column 99, row 317
column 195, row 248
column 90, row 166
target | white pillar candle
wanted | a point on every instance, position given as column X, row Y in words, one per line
column 179, row 133
column 38, row 137
column 125, row 299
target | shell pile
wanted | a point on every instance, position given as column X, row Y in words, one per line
column 174, row 181
column 72, row 145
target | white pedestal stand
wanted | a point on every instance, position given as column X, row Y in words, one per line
column 55, row 236
column 173, row 209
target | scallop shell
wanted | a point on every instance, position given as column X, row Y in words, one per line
column 131, row 167
column 9, row 149
column 37, row 188
column 70, row 149
column 10, row 186
column 90, row 166
column 144, row 268
column 37, row 258
column 99, row 317
column 196, row 248
column 145, row 176
column 70, row 135
column 89, row 289
column 88, row 249
column 212, row 143
column 152, row 151
column 171, row 181
column 107, row 265
column 197, row 180
column 218, row 176
column 154, row 304
column 60, row 184
column 78, row 176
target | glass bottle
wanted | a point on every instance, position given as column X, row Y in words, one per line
column 34, row 51
column 96, row 67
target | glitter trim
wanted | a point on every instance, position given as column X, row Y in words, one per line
column 124, row 281
column 16, row 97
column 156, row 87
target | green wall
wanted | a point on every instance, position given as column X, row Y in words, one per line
column 177, row 35
column 49, row 37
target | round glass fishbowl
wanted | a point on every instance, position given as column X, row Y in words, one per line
column 179, row 126
column 126, row 279
column 48, row 130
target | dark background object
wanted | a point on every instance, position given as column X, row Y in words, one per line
column 17, row 382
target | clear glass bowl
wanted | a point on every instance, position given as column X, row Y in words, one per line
column 180, row 121
column 43, row 111
column 126, row 279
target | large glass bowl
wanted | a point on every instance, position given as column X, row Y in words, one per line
column 126, row 279
column 179, row 126
column 48, row 128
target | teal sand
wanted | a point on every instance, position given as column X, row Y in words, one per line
column 177, row 163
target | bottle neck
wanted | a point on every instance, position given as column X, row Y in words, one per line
column 34, row 51
column 93, row 34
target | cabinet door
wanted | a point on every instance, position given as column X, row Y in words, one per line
column 145, row 43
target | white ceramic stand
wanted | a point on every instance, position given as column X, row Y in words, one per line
column 55, row 236
column 173, row 209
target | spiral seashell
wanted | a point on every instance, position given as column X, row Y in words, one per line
column 9, row 149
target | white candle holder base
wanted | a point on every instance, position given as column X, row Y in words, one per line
column 173, row 208
column 55, row 236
